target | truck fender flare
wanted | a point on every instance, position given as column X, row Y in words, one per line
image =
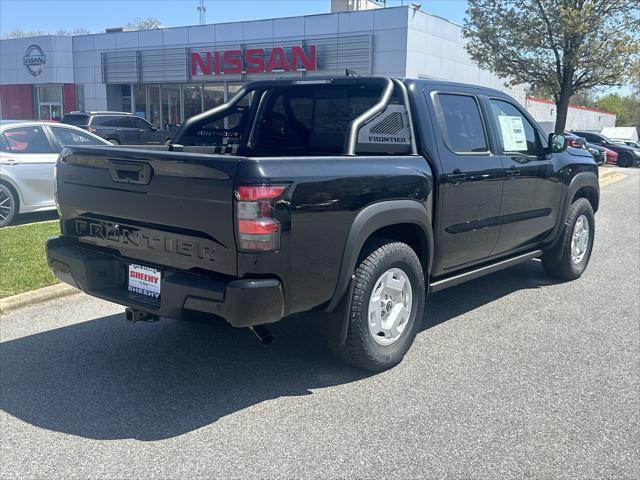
column 372, row 218
column 580, row 180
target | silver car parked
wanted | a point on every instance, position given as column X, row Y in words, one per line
column 28, row 153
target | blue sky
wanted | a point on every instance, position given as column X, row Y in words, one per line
column 96, row 15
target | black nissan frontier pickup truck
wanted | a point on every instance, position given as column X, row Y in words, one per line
column 347, row 199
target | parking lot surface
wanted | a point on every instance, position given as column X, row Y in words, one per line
column 513, row 374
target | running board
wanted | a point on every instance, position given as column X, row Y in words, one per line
column 479, row 272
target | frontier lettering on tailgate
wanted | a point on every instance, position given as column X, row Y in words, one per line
column 144, row 239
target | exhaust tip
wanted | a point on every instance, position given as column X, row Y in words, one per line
column 263, row 334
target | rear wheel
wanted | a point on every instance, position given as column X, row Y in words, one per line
column 8, row 205
column 625, row 160
column 113, row 141
column 386, row 307
column 569, row 258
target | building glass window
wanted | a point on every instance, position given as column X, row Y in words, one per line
column 192, row 100
column 125, row 92
column 140, row 99
column 80, row 98
column 233, row 88
column 213, row 95
column 153, row 104
column 170, row 107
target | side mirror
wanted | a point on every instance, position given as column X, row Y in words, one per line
column 154, row 128
column 557, row 143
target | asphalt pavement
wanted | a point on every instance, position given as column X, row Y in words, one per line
column 513, row 375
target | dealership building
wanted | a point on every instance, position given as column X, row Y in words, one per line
column 167, row 75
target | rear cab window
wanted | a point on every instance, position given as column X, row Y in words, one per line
column 313, row 119
column 303, row 120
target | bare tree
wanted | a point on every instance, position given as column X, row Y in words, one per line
column 149, row 23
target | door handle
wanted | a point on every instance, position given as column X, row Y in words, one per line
column 513, row 172
column 9, row 161
column 130, row 172
column 457, row 177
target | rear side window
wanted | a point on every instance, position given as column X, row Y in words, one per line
column 27, row 140
column 67, row 136
column 463, row 127
column 112, row 122
column 76, row 119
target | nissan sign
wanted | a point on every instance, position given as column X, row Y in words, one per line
column 254, row 60
column 34, row 59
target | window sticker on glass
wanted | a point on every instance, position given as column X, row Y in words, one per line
column 513, row 135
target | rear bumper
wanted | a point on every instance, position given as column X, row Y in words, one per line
column 241, row 302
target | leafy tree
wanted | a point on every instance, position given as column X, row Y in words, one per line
column 563, row 47
column 626, row 108
column 149, row 23
column 634, row 76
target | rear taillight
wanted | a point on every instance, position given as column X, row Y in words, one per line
column 610, row 156
column 258, row 230
column 574, row 143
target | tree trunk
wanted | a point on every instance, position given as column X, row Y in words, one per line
column 562, row 108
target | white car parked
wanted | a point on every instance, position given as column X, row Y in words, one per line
column 28, row 153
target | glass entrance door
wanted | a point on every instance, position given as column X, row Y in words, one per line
column 49, row 102
column 50, row 111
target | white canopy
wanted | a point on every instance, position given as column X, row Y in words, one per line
column 621, row 133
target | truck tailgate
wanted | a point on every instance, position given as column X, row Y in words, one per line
column 170, row 209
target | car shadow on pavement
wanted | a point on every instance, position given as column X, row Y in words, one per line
column 25, row 218
column 108, row 379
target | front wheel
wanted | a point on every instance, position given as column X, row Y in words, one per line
column 8, row 206
column 113, row 141
column 569, row 258
column 386, row 308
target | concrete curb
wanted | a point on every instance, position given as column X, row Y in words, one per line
column 21, row 300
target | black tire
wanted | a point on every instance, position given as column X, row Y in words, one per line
column 557, row 261
column 113, row 141
column 8, row 205
column 625, row 160
column 360, row 348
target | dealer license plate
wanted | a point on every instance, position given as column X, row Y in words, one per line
column 145, row 281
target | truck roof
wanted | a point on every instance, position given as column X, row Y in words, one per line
column 356, row 79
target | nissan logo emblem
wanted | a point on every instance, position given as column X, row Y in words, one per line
column 34, row 59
